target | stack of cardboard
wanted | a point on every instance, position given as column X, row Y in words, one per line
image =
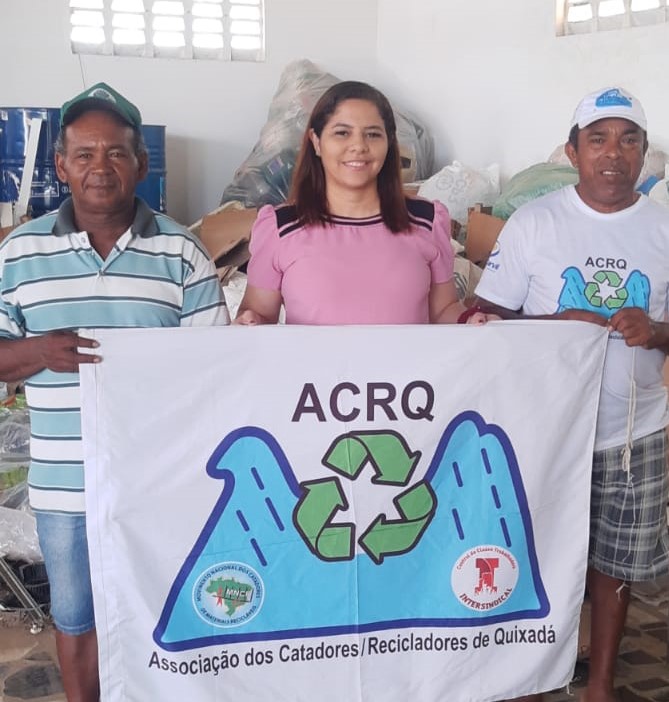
column 482, row 232
column 226, row 233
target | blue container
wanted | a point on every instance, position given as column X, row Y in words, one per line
column 47, row 191
column 153, row 189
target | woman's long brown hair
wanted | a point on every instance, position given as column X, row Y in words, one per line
column 308, row 191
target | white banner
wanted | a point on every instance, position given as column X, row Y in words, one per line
column 351, row 513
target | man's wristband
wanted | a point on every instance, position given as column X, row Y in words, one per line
column 469, row 312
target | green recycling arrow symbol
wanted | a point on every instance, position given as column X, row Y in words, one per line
column 617, row 300
column 387, row 452
column 593, row 293
column 390, row 537
column 610, row 277
column 320, row 501
column 393, row 463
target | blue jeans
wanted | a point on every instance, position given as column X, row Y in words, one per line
column 62, row 538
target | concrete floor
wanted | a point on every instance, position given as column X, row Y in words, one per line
column 642, row 673
column 28, row 667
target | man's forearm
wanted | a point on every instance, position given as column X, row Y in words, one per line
column 491, row 308
column 569, row 315
column 20, row 358
column 660, row 337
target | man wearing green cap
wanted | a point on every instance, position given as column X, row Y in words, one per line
column 104, row 259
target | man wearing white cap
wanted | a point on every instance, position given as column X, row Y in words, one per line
column 598, row 252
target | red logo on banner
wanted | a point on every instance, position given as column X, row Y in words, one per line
column 484, row 577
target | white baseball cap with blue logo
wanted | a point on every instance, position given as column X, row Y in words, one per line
column 609, row 102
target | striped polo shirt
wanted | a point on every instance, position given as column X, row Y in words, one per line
column 157, row 275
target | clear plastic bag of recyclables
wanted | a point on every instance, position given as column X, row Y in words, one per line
column 14, row 457
column 264, row 177
column 18, row 532
column 18, row 536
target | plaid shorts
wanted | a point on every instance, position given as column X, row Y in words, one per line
column 629, row 538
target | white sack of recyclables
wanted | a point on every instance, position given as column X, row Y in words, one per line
column 660, row 192
column 459, row 187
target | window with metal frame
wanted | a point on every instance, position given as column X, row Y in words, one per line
column 583, row 16
column 201, row 29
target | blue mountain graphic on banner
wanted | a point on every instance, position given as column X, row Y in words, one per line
column 460, row 552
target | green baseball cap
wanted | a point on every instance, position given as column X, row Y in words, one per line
column 100, row 97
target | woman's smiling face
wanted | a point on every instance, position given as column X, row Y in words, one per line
column 352, row 146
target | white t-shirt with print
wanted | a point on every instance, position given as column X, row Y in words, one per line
column 556, row 253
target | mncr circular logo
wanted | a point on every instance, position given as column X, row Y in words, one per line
column 484, row 577
column 228, row 594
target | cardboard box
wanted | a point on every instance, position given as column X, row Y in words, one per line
column 482, row 232
column 226, row 234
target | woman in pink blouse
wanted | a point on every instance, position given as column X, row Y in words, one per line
column 349, row 247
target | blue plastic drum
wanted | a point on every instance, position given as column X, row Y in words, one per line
column 153, row 188
column 47, row 192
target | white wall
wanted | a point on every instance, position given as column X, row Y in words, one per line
column 489, row 78
column 213, row 110
column 494, row 83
